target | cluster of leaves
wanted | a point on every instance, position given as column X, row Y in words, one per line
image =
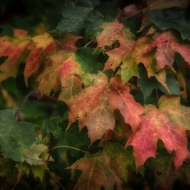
column 109, row 97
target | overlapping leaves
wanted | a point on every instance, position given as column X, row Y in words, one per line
column 93, row 96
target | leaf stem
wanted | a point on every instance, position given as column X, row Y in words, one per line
column 88, row 43
column 70, row 148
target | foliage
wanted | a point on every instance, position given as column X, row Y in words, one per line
column 95, row 95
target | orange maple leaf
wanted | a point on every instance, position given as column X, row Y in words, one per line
column 43, row 45
column 15, row 49
column 61, row 71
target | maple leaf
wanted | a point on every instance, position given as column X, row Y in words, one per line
column 166, row 46
column 38, row 170
column 70, row 82
column 121, row 99
column 17, row 139
column 14, row 48
column 32, row 155
column 138, row 55
column 112, row 32
column 164, row 170
column 91, row 107
column 43, row 44
column 71, row 138
column 103, row 98
column 60, row 70
column 172, row 107
column 67, row 42
column 120, row 159
column 129, row 68
column 157, row 54
column 17, row 49
column 184, row 172
column 96, row 173
column 157, row 124
column 115, row 32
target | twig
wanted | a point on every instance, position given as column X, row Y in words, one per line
column 45, row 98
column 57, row 181
column 70, row 148
column 18, row 180
column 24, row 101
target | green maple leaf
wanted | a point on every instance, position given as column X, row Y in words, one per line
column 38, row 170
column 183, row 173
column 51, row 126
column 96, row 173
column 73, row 19
column 17, row 139
column 71, row 141
column 164, row 170
column 88, row 62
column 8, row 168
column 148, row 84
column 174, row 19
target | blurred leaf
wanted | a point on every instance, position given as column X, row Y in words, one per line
column 121, row 159
column 73, row 19
column 74, row 139
column 18, row 139
column 172, row 19
column 96, row 172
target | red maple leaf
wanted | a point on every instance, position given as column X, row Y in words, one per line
column 157, row 124
column 91, row 107
column 121, row 99
column 94, row 107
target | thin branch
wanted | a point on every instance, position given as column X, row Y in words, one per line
column 88, row 43
column 18, row 180
column 24, row 101
column 136, row 13
column 45, row 98
column 70, row 148
column 57, row 180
